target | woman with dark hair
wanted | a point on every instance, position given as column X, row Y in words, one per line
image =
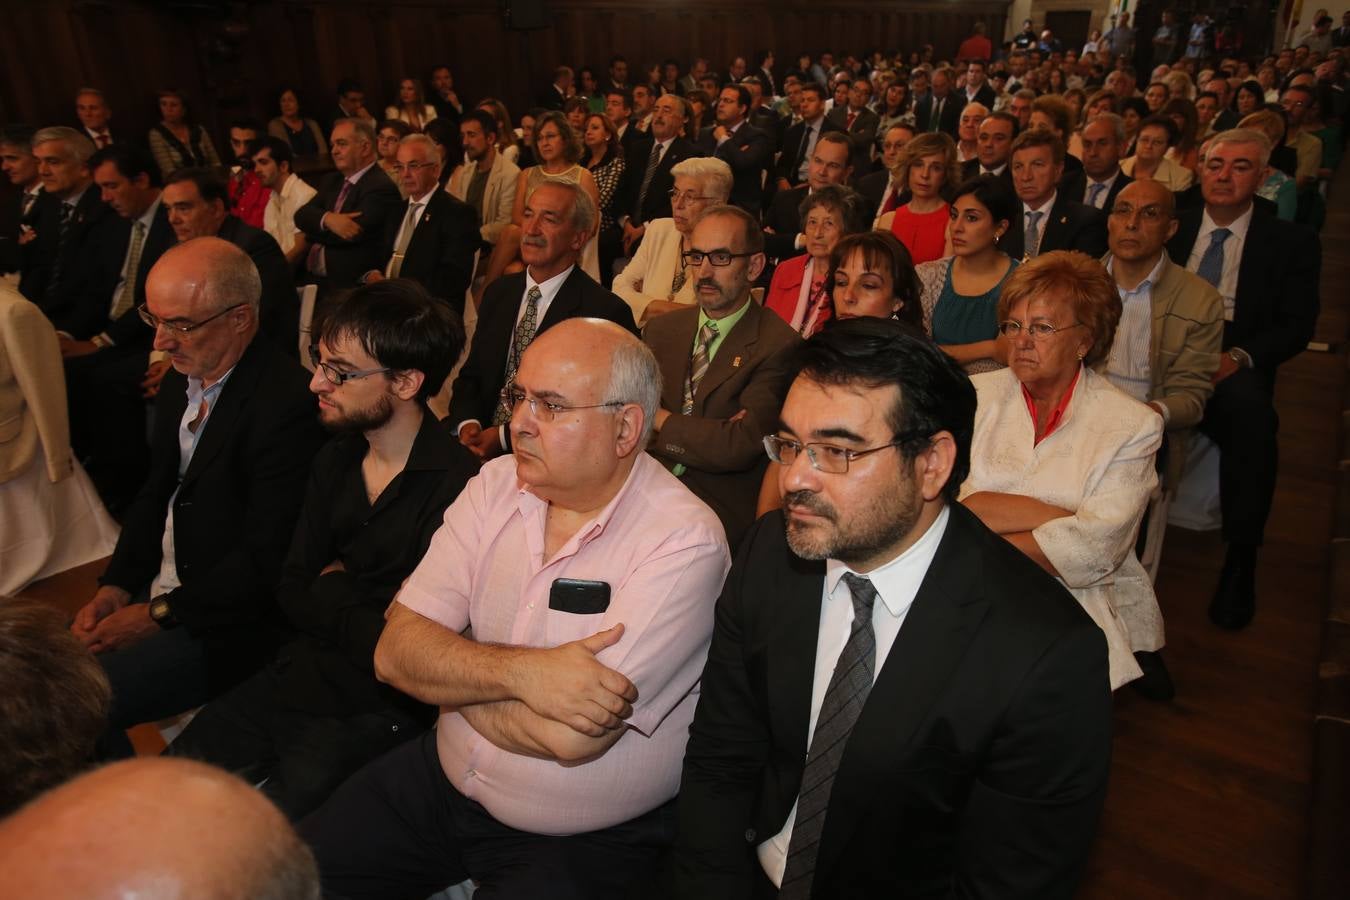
column 575, row 110
column 926, row 168
column 1156, row 135
column 506, row 133
column 959, row 293
column 670, row 77
column 1098, row 103
column 527, row 123
column 387, row 136
column 1185, row 151
column 895, row 108
column 303, row 135
column 1133, row 110
column 444, row 133
column 699, row 101
column 1055, row 83
column 872, row 274
column 603, row 158
column 411, row 108
column 800, row 291
column 1250, row 97
column 1062, row 463
column 176, row 141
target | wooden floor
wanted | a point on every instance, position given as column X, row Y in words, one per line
column 1209, row 794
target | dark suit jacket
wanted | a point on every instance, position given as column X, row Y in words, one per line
column 1074, row 185
column 479, row 385
column 749, row 153
column 82, row 260
column 1070, row 226
column 971, row 167
column 724, row 459
column 1277, row 300
column 128, row 329
column 977, row 768
column 951, row 113
column 862, row 136
column 91, row 269
column 873, row 187
column 788, row 160
column 785, row 221
column 769, row 122
column 985, row 96
column 279, row 320
column 376, row 198
column 234, row 511
column 440, row 252
column 656, row 205
column 549, row 97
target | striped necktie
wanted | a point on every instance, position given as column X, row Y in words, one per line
column 698, row 365
column 127, row 298
column 524, row 334
column 1032, row 245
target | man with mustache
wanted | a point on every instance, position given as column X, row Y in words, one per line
column 559, row 218
column 895, row 700
column 723, row 370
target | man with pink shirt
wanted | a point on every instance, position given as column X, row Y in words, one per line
column 560, row 620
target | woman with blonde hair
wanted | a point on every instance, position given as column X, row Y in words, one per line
column 506, row 132
column 927, row 168
column 411, row 109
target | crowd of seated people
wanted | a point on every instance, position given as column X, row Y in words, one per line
column 912, row 338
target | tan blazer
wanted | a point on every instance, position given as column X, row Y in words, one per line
column 499, row 194
column 650, row 273
column 1170, row 173
column 32, row 391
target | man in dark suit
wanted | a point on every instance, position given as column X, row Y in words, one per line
column 21, row 171
column 344, row 222
column 800, row 139
column 993, row 148
column 723, row 373
column 435, row 239
column 740, row 145
column 91, row 108
column 881, row 194
column 556, row 94
column 762, row 115
column 186, row 606
column 644, row 197
column 857, row 121
column 559, row 217
column 108, row 374
column 947, row 105
column 979, row 767
column 830, row 164
column 1048, row 219
column 1100, row 179
column 1267, row 272
column 977, row 89
column 197, row 200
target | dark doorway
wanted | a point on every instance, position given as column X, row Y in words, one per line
column 1069, row 28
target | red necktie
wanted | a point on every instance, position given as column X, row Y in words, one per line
column 848, row 124
column 892, row 202
column 102, row 140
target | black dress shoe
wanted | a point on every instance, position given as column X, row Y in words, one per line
column 1156, row 682
column 1234, row 602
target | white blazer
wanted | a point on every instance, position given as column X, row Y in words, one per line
column 499, row 195
column 652, row 269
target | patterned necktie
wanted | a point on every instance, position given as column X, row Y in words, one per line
column 698, row 365
column 1033, row 241
column 63, row 232
column 1094, row 194
column 935, row 124
column 1211, row 264
column 652, row 162
column 524, row 334
column 317, row 260
column 814, row 304
column 127, row 297
column 29, row 198
column 681, row 276
column 404, row 236
column 839, row 711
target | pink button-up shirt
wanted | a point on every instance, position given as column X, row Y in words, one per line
column 664, row 555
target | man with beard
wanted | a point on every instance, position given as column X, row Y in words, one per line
column 979, row 767
column 376, row 494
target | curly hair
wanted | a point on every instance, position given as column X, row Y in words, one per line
column 1073, row 278
column 931, row 144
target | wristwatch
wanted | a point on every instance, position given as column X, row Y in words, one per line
column 1239, row 357
column 161, row 613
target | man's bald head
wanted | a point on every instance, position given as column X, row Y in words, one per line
column 1142, row 221
column 210, row 288
column 155, row 828
column 220, row 272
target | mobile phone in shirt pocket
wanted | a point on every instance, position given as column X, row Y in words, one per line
column 579, row 596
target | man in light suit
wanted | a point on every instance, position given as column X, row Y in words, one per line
column 559, row 217
column 896, row 700
column 434, row 240
column 723, row 371
column 478, row 134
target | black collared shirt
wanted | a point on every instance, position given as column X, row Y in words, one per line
column 329, row 668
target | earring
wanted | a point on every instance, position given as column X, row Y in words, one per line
column 1080, row 356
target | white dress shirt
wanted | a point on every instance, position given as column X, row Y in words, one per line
column 896, row 583
column 1232, row 255
column 279, row 214
column 1129, row 366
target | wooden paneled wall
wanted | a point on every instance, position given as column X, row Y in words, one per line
column 230, row 58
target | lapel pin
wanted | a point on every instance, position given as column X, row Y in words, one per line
column 1063, row 220
column 736, row 363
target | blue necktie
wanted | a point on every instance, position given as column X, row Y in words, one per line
column 1211, row 264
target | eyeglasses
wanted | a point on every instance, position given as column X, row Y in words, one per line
column 181, row 328
column 681, row 198
column 1150, row 213
column 546, row 410
column 825, row 458
column 400, row 168
column 1039, row 331
column 336, row 376
column 718, row 258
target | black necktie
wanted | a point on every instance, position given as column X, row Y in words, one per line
column 62, row 232
column 807, row 131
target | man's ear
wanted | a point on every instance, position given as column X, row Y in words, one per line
column 632, row 423
column 407, row 382
column 933, row 466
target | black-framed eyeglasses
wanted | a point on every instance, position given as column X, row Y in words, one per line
column 827, row 458
column 546, row 410
column 181, row 328
column 336, row 376
column 719, row 258
column 1039, row 331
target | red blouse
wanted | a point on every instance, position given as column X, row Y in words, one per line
column 923, row 234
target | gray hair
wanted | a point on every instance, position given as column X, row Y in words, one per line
column 635, row 377
column 78, row 146
column 228, row 273
column 363, row 129
column 421, row 140
column 840, row 199
column 583, row 214
column 1243, row 136
column 1116, row 122
column 713, row 175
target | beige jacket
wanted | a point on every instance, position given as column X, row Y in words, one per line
column 32, row 391
column 499, row 195
column 650, row 273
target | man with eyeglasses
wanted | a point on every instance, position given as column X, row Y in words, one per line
column 723, row 370
column 186, row 607
column 1297, row 102
column 980, row 765
column 435, row 239
column 558, row 220
column 1267, row 273
column 1167, row 345
column 376, row 494
column 559, row 621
